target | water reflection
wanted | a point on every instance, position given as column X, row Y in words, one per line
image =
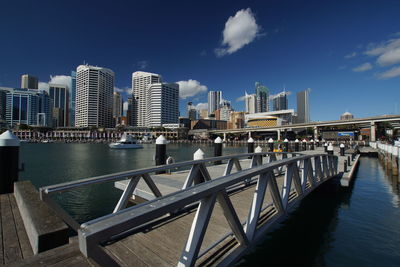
column 357, row 226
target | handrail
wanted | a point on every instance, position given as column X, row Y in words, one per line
column 304, row 179
column 51, row 189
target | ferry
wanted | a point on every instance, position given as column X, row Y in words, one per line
column 126, row 141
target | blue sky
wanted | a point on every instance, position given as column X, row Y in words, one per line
column 347, row 52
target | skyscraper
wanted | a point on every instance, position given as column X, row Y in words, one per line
column 30, row 107
column 214, row 98
column 280, row 101
column 59, row 95
column 73, row 96
column 225, row 110
column 117, row 107
column 303, row 106
column 3, row 97
column 140, row 82
column 262, row 95
column 251, row 103
column 29, row 82
column 162, row 104
column 94, row 96
column 129, row 112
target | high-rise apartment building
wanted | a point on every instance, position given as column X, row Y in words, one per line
column 29, row 82
column 203, row 113
column 225, row 110
column 280, row 101
column 214, row 98
column 262, row 95
column 94, row 96
column 59, row 95
column 27, row 106
column 303, row 106
column 251, row 103
column 140, row 83
column 162, row 104
column 73, row 97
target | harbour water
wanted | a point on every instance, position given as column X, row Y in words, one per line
column 358, row 226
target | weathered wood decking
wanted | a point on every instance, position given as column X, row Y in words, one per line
column 14, row 242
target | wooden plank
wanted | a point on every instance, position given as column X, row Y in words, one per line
column 123, row 255
column 24, row 243
column 12, row 250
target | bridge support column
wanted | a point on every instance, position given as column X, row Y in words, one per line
column 224, row 137
column 249, row 135
column 373, row 132
column 278, row 132
column 316, row 132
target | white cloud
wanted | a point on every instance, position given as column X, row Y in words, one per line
column 389, row 58
column 190, row 88
column 393, row 72
column 127, row 90
column 240, row 99
column 363, row 67
column 143, row 64
column 351, row 55
column 388, row 52
column 56, row 79
column 200, row 106
column 239, row 31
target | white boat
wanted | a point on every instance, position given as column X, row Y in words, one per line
column 126, row 141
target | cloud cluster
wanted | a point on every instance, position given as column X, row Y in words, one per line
column 143, row 64
column 126, row 90
column 351, row 55
column 201, row 106
column 190, row 88
column 393, row 72
column 363, row 67
column 56, row 79
column 239, row 31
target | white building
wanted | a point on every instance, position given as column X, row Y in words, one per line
column 162, row 104
column 214, row 98
column 251, row 103
column 94, row 96
column 140, row 82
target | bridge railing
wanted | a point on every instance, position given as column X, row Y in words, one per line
column 394, row 150
column 301, row 175
column 198, row 172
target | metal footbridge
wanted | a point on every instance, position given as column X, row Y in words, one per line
column 224, row 207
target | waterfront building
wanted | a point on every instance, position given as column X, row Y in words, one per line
column 29, row 82
column 3, row 98
column 94, row 95
column 251, row 103
column 140, row 82
column 185, row 122
column 192, row 111
column 59, row 95
column 117, row 107
column 236, row 120
column 208, row 124
column 214, row 98
column 162, row 104
column 264, row 121
column 280, row 101
column 285, row 116
column 346, row 116
column 28, row 106
column 262, row 97
column 303, row 106
column 72, row 99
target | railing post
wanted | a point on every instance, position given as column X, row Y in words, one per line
column 9, row 161
column 217, row 149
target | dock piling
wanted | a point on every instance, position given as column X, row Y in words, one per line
column 9, row 161
column 218, row 149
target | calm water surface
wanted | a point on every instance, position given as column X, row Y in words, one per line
column 358, row 226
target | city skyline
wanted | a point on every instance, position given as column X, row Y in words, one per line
column 351, row 50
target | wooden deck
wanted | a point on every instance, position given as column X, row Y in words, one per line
column 14, row 242
column 163, row 244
